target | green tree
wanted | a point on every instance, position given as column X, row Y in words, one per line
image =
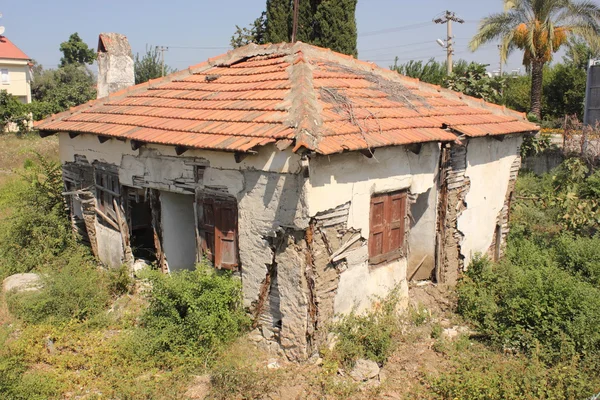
column 56, row 90
column 255, row 33
column 76, row 51
column 278, row 23
column 149, row 66
column 476, row 82
column 326, row 23
column 564, row 93
column 432, row 71
column 335, row 26
column 539, row 28
column 12, row 111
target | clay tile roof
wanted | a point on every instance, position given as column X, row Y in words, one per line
column 10, row 51
column 297, row 94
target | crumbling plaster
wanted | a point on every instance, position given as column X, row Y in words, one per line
column 353, row 177
column 488, row 169
column 270, row 193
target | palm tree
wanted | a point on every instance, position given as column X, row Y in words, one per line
column 539, row 28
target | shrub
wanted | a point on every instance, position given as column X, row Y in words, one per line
column 78, row 290
column 193, row 312
column 527, row 303
column 37, row 232
column 482, row 374
column 580, row 256
column 369, row 335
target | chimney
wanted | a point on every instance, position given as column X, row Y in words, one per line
column 115, row 64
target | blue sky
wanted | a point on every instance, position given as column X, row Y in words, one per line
column 39, row 26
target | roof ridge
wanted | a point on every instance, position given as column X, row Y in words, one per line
column 304, row 111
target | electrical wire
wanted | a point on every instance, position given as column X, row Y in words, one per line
column 395, row 47
column 395, row 29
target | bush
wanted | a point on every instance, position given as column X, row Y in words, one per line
column 481, row 374
column 369, row 336
column 37, row 232
column 78, row 290
column 528, row 304
column 193, row 312
column 580, row 256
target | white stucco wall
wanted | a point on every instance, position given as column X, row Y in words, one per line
column 488, row 168
column 20, row 79
column 352, row 177
column 179, row 230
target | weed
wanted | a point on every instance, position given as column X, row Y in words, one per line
column 368, row 335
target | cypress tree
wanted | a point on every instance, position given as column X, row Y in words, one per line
column 335, row 26
column 306, row 20
column 278, row 25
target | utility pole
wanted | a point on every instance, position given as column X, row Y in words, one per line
column 162, row 50
column 295, row 24
column 448, row 18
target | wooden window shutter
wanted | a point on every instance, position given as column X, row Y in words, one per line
column 377, row 237
column 387, row 226
column 226, row 237
column 206, row 224
column 397, row 212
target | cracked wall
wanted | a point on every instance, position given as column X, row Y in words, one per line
column 354, row 179
column 489, row 166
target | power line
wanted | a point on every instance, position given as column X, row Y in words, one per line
column 391, row 30
column 395, row 47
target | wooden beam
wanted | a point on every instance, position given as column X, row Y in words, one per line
column 415, row 147
column 44, row 134
column 179, row 150
column 367, row 153
column 103, row 139
column 239, row 156
column 136, row 144
column 73, row 135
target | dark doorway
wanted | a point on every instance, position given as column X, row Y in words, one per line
column 140, row 225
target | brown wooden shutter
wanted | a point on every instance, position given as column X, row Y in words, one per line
column 377, row 236
column 226, row 248
column 387, row 226
column 397, row 205
column 206, row 224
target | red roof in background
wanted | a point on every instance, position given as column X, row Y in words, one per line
column 297, row 95
column 9, row 50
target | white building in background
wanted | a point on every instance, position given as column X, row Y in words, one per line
column 15, row 71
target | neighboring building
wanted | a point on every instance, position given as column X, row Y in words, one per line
column 15, row 71
column 322, row 180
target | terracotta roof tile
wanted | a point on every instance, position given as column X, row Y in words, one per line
column 316, row 98
column 10, row 51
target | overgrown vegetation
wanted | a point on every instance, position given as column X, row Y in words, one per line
column 367, row 335
column 542, row 302
column 93, row 331
column 193, row 312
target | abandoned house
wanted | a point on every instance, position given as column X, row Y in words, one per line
column 321, row 180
